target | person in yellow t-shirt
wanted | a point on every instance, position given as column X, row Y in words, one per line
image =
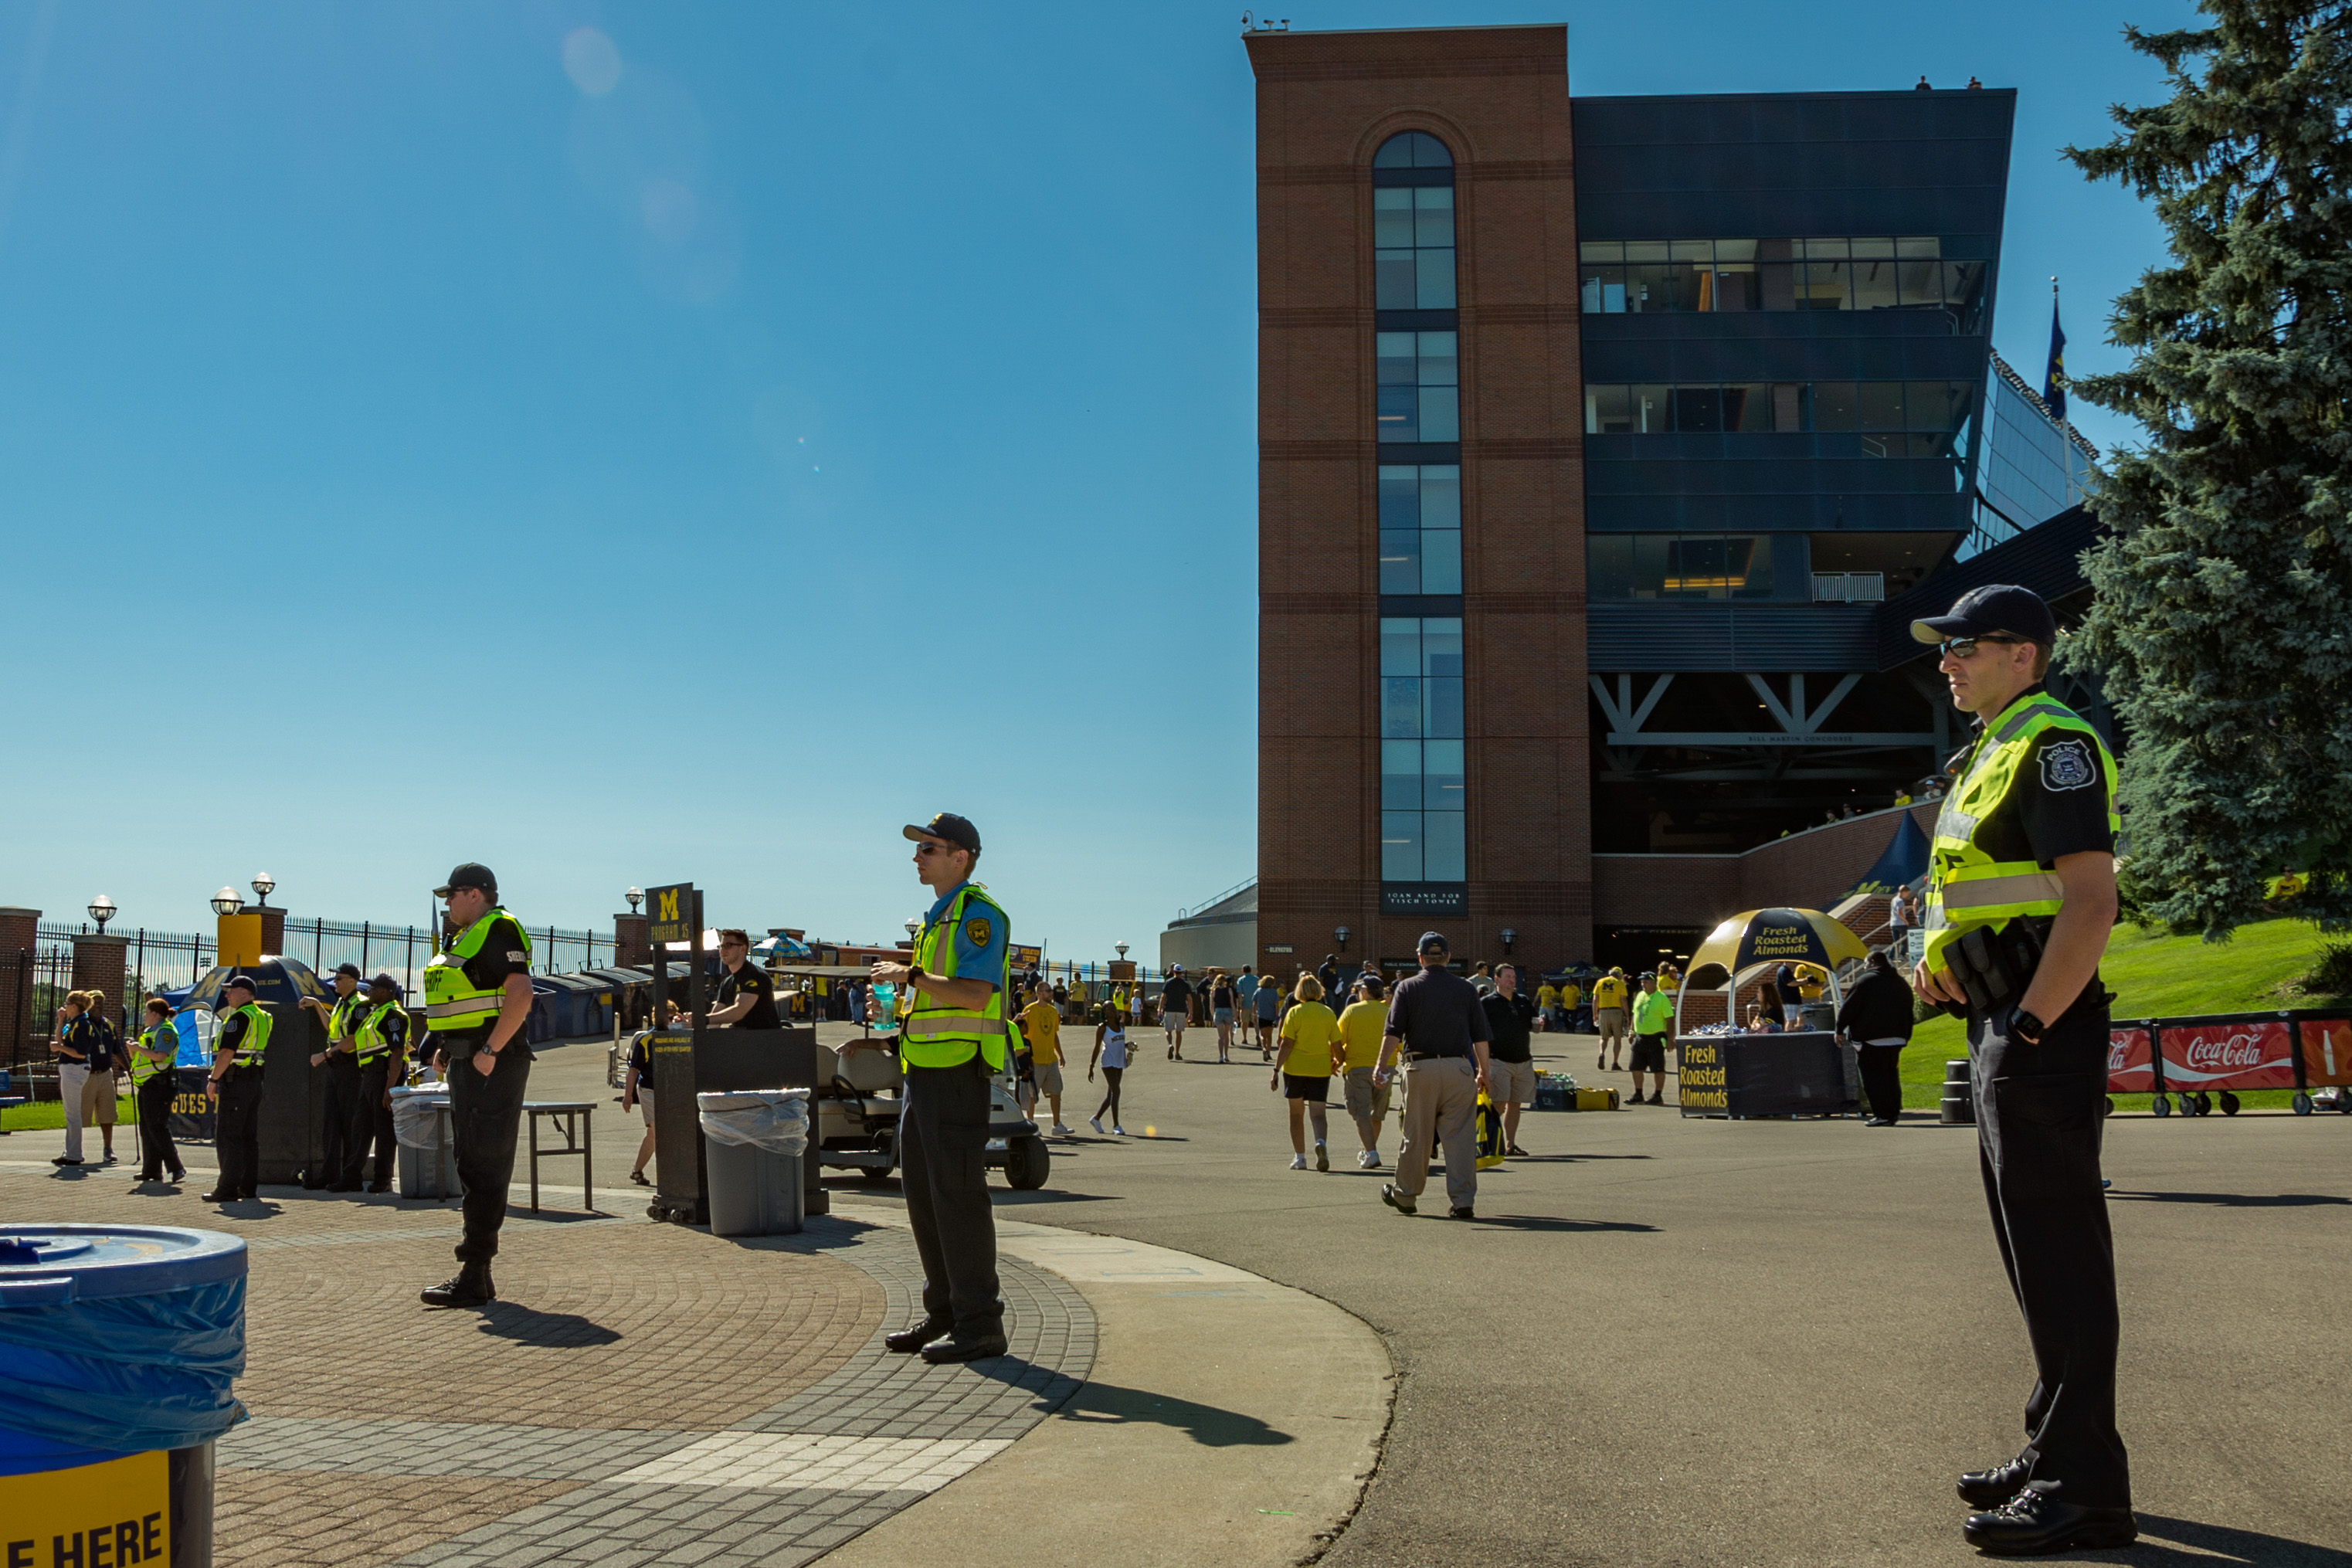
column 1610, row 1016
column 1546, row 1005
column 1360, row 1028
column 1311, row 1048
column 1041, row 1021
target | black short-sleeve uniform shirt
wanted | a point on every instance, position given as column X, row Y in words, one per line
column 750, row 980
column 503, row 952
column 2057, row 804
column 1510, row 1024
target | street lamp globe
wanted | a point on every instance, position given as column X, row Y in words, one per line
column 912, row 927
column 1509, row 936
column 1343, row 934
column 227, row 901
column 636, row 896
column 1120, row 948
column 101, row 910
column 264, row 884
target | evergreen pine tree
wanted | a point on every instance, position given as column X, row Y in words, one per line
column 2222, row 610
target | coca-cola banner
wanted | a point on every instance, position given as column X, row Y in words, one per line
column 2129, row 1071
column 2234, row 1056
column 2327, row 1051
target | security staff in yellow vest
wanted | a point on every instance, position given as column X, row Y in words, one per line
column 376, row 1045
column 154, row 1080
column 953, row 1002
column 240, row 1045
column 477, row 1000
column 342, row 1068
column 2021, row 898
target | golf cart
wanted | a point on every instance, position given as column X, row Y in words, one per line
column 858, row 1102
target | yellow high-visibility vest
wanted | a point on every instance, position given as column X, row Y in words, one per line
column 936, row 1034
column 452, row 1001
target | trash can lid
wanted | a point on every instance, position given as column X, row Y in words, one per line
column 48, row 1264
column 746, row 1099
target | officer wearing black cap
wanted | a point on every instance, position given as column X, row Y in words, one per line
column 343, row 1082
column 240, row 1046
column 379, row 1044
column 954, row 1040
column 2022, row 897
column 477, row 1000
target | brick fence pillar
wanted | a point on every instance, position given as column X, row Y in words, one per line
column 273, row 930
column 632, row 947
column 19, row 930
column 99, row 964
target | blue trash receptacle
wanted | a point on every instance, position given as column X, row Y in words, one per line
column 119, row 1345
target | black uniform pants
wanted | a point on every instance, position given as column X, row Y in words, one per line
column 237, row 1132
column 371, row 1127
column 335, row 1126
column 157, row 1153
column 942, row 1139
column 2038, row 1145
column 1882, row 1080
column 484, row 1113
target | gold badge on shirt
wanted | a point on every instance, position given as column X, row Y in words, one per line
column 976, row 930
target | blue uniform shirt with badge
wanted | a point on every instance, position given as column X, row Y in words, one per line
column 981, row 942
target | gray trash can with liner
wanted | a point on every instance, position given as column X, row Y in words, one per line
column 752, row 1141
column 428, row 1166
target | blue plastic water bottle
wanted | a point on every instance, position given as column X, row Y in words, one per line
column 886, row 998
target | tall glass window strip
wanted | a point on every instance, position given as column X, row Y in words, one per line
column 1421, row 528
column 1935, row 412
column 1422, row 796
column 1413, row 236
column 1695, row 276
column 1419, row 387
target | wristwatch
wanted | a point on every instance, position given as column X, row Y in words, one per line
column 2024, row 1026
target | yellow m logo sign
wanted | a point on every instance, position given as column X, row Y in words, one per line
column 668, row 905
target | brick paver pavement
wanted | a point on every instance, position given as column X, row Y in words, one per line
column 640, row 1394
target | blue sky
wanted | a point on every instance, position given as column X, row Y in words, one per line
column 627, row 443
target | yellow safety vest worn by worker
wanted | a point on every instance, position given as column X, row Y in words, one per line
column 162, row 1038
column 936, row 1034
column 452, row 1001
column 249, row 1053
column 368, row 1044
column 339, row 1018
column 1968, row 887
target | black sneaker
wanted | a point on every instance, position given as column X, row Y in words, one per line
column 1463, row 1212
column 65, row 1160
column 2034, row 1521
column 906, row 1341
column 1397, row 1200
column 1992, row 1488
column 470, row 1286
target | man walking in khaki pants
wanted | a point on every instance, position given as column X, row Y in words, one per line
column 1438, row 1026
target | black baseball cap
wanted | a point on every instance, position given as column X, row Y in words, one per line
column 351, row 969
column 1435, row 942
column 957, row 830
column 1995, row 608
column 470, row 875
column 236, row 980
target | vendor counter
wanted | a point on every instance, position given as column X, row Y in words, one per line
column 1806, row 1073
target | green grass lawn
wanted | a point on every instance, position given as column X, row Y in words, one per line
column 2156, row 976
column 51, row 1113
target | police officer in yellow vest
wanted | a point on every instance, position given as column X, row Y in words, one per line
column 240, row 1045
column 341, row 1062
column 953, row 1002
column 477, row 1000
column 2021, row 899
column 378, row 1044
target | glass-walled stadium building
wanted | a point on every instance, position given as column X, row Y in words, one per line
column 1632, row 414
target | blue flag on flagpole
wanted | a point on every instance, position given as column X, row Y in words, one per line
column 2053, row 392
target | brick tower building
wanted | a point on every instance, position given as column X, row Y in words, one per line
column 1423, row 755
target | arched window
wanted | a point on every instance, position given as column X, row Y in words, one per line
column 1413, row 224
column 1412, row 149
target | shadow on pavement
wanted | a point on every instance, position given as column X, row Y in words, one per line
column 1109, row 1405
column 2237, row 1201
column 2207, row 1544
column 1004, row 1198
column 1569, row 1159
column 529, row 1326
column 1544, row 1222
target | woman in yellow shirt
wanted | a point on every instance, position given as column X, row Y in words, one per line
column 1360, row 1028
column 1302, row 1070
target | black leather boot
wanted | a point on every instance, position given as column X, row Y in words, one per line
column 471, row 1288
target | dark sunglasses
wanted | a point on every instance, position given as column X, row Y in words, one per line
column 1964, row 647
column 935, row 848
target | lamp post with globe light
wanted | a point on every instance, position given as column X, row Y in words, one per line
column 101, row 910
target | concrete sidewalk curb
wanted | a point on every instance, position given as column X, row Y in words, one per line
column 1227, row 1419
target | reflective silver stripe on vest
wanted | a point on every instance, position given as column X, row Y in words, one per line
column 2022, row 888
column 469, row 1005
column 971, row 1028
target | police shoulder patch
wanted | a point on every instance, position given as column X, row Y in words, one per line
column 2066, row 764
column 977, row 930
